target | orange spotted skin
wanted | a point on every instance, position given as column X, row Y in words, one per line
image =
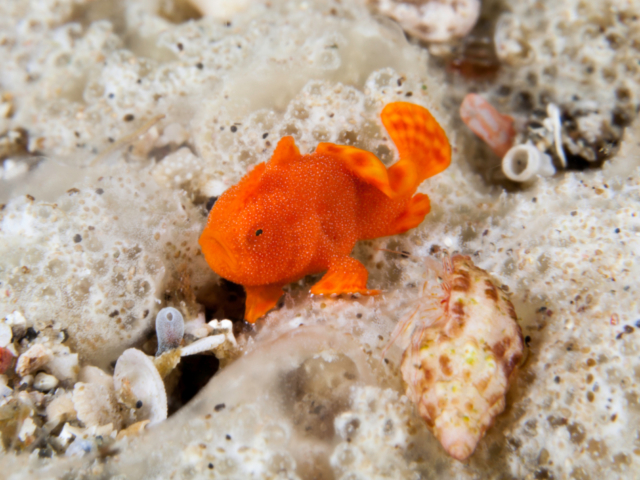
column 302, row 214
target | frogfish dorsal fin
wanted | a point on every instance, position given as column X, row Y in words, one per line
column 286, row 151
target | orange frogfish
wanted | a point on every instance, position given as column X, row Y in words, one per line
column 297, row 215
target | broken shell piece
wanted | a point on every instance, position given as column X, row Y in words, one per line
column 525, row 162
column 139, row 386
column 166, row 362
column 5, row 391
column 79, row 447
column 63, row 364
column 220, row 9
column 169, row 328
column 461, row 356
column 60, row 409
column 45, row 382
column 27, row 431
column 6, row 335
column 197, row 327
column 95, row 404
column 223, row 326
column 222, row 343
column 433, row 20
column 554, row 114
column 18, row 324
column 134, row 429
column 26, row 381
column 203, row 345
column 33, row 359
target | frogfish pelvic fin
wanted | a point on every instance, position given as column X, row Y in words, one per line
column 297, row 215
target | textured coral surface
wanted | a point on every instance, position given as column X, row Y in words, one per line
column 122, row 120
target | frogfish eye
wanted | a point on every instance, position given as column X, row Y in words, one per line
column 258, row 232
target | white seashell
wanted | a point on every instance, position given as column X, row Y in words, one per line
column 96, row 404
column 33, row 359
column 139, row 386
column 524, row 162
column 6, row 335
column 203, row 345
column 465, row 346
column 45, row 382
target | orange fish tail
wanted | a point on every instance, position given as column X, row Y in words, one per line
column 422, row 144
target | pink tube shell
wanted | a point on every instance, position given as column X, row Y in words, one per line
column 487, row 123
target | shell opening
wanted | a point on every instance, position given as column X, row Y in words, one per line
column 524, row 162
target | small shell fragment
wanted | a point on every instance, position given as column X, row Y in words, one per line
column 203, row 345
column 461, row 357
column 17, row 322
column 63, row 364
column 134, row 429
column 33, row 359
column 139, row 386
column 60, row 409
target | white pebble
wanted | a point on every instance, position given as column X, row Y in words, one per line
column 45, row 382
column 5, row 334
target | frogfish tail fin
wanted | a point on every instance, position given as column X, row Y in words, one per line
column 422, row 144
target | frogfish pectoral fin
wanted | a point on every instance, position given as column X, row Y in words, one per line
column 345, row 275
column 422, row 143
column 364, row 165
column 260, row 299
